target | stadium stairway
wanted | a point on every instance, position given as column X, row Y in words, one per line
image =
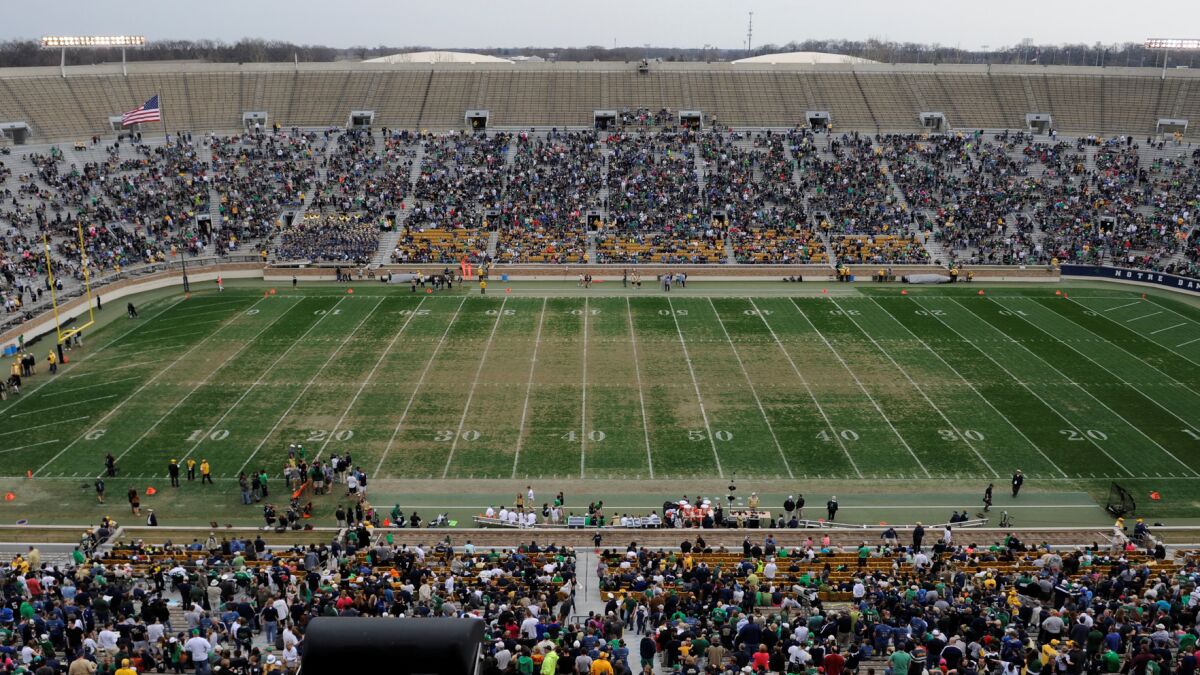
column 387, row 243
column 493, row 241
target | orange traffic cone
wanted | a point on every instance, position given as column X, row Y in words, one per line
column 8, row 496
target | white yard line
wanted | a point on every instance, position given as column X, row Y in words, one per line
column 1118, row 346
column 420, row 381
column 85, row 357
column 1184, row 344
column 137, row 391
column 1139, row 318
column 1128, row 304
column 258, row 381
column 695, row 383
column 307, row 385
column 753, row 390
column 854, row 376
column 474, row 383
column 804, row 381
column 121, row 357
column 109, row 370
column 537, row 342
column 367, row 380
column 201, row 383
column 971, row 386
column 167, row 337
column 918, row 387
column 190, row 324
column 583, row 396
column 42, row 426
column 64, row 405
column 1018, row 380
column 93, row 386
column 1119, row 378
column 1163, row 330
column 26, row 447
column 637, row 372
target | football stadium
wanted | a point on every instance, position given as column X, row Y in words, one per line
column 799, row 363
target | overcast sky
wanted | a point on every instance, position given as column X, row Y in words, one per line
column 968, row 24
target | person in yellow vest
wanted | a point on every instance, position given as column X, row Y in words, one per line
column 205, row 472
column 52, row 359
column 482, row 286
column 191, row 469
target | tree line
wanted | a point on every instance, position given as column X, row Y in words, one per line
column 23, row 53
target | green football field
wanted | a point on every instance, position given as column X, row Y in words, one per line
column 940, row 387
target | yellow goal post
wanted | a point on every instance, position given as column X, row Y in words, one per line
column 66, row 334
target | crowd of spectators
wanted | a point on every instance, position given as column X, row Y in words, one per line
column 330, row 238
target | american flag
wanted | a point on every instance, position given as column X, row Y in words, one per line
column 147, row 112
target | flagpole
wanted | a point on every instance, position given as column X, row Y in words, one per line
column 162, row 114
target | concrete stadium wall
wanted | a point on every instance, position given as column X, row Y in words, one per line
column 865, row 97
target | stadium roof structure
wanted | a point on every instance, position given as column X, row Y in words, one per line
column 437, row 57
column 804, row 57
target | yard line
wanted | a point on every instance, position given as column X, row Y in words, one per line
column 169, row 337
column 190, row 323
column 1188, row 343
column 64, row 405
column 1121, row 379
column 93, row 386
column 971, row 386
column 840, row 441
column 916, row 386
column 420, row 380
column 861, row 387
column 42, row 426
column 474, row 383
column 1157, row 343
column 753, row 390
column 1023, row 384
column 1128, row 304
column 137, row 391
column 583, row 396
column 109, row 370
column 537, row 341
column 85, row 357
column 312, row 379
column 26, row 447
column 253, row 385
column 371, row 374
column 637, row 372
column 200, row 384
column 699, row 399
column 1139, row 318
column 1163, row 330
column 120, row 357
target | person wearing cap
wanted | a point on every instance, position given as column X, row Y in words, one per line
column 205, row 472
column 125, row 669
column 601, row 666
column 173, row 472
column 831, row 508
column 1018, row 479
column 197, row 649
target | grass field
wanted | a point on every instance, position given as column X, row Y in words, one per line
column 939, row 386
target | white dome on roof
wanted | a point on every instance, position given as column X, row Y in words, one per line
column 804, row 57
column 437, row 57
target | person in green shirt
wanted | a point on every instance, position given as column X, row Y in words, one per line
column 864, row 552
column 525, row 663
column 1110, row 661
column 899, row 661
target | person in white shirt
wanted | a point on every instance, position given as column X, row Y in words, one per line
column 503, row 656
column 503, row 514
column 529, row 499
column 770, row 569
column 529, row 627
column 155, row 631
column 197, row 648
column 530, row 519
column 514, row 517
column 490, row 513
column 108, row 639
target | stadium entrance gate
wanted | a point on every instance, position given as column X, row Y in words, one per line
column 691, row 119
column 1169, row 126
column 361, row 118
column 604, row 119
column 1039, row 123
column 818, row 120
column 934, row 121
column 477, row 120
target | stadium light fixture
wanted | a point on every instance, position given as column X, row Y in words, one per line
column 65, row 42
column 1165, row 45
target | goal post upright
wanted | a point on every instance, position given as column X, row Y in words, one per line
column 60, row 334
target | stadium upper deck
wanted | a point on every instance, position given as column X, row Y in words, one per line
column 203, row 97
